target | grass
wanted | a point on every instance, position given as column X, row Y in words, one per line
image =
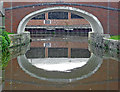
column 4, row 30
column 117, row 37
column 10, row 33
column 0, row 48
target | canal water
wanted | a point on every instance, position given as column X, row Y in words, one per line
column 61, row 63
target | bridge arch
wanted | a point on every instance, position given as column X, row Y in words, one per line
column 94, row 22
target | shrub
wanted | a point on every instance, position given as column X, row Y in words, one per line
column 5, row 59
column 5, row 53
column 5, row 34
column 4, row 43
column 0, row 46
column 4, row 39
column 10, row 33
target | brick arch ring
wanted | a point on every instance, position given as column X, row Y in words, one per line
column 94, row 22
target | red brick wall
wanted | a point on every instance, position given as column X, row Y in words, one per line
column 108, row 19
column 59, row 22
column 68, row 21
column 119, row 20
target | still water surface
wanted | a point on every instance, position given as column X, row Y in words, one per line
column 87, row 69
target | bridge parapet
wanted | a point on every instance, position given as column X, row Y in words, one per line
column 2, row 11
column 19, row 39
column 95, row 38
column 103, row 41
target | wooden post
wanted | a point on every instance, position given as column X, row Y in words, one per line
column 46, row 52
column 69, row 52
column 46, row 16
column 69, row 15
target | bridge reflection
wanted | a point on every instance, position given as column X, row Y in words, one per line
column 87, row 70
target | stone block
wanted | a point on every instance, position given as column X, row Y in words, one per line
column 18, row 39
column 2, row 11
column 1, row 22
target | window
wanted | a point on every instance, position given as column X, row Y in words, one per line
column 47, row 21
column 39, row 17
column 74, row 16
column 58, row 15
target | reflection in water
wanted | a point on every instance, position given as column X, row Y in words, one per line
column 19, row 50
column 58, row 69
column 58, row 64
column 11, row 53
column 58, row 58
column 80, row 66
column 39, row 52
column 77, row 73
column 4, row 58
column 8, row 55
column 106, row 54
column 61, row 69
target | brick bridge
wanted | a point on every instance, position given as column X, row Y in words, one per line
column 107, row 13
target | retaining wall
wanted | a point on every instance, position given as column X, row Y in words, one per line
column 103, row 41
column 19, row 39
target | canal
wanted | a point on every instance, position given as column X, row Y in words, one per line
column 60, row 63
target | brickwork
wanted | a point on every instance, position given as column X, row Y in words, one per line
column 108, row 18
column 60, row 44
column 59, row 22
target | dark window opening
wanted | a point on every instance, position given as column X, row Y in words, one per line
column 58, row 15
column 42, row 32
column 74, row 16
column 39, row 17
column 58, row 52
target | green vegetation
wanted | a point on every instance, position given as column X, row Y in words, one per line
column 10, row 33
column 4, row 39
column 5, row 59
column 117, row 37
column 4, row 47
column 4, row 43
column 5, row 35
column 53, row 32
